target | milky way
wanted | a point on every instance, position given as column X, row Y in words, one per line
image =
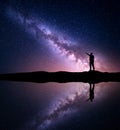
column 57, row 41
column 69, row 50
column 55, row 36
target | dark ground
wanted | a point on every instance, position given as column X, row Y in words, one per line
column 62, row 77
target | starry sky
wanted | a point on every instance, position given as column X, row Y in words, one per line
column 52, row 35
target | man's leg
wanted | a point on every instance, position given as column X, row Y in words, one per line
column 90, row 66
column 93, row 66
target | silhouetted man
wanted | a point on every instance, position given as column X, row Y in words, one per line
column 91, row 92
column 91, row 61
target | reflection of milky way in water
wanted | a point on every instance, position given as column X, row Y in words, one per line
column 58, row 43
column 67, row 104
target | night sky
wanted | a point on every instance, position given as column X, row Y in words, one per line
column 55, row 35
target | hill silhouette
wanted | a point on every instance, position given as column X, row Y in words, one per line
column 63, row 77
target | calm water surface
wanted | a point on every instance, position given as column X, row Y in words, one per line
column 55, row 106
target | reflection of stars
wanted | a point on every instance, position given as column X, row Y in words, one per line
column 68, row 104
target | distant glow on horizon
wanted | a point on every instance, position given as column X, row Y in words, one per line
column 68, row 50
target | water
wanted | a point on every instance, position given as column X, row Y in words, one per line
column 55, row 106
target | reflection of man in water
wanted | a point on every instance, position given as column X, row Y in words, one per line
column 91, row 92
column 91, row 61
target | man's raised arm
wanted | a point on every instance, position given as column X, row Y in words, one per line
column 87, row 54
